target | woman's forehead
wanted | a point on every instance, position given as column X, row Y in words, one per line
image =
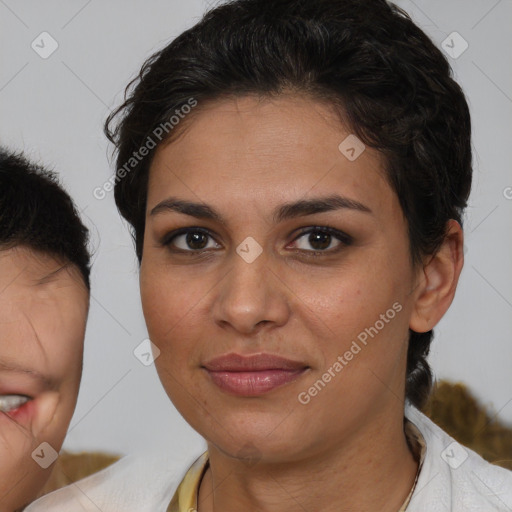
column 277, row 150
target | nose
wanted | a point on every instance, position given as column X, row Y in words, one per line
column 250, row 297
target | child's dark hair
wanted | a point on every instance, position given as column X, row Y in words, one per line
column 392, row 86
column 37, row 213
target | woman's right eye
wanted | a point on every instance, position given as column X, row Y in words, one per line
column 192, row 240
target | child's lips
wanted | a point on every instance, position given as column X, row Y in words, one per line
column 23, row 412
column 19, row 399
column 12, row 402
column 22, row 399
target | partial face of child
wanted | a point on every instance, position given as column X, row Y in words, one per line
column 43, row 312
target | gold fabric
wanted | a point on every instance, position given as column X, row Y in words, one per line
column 185, row 497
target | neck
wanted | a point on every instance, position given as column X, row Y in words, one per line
column 374, row 470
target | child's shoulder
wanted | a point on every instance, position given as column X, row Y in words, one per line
column 137, row 482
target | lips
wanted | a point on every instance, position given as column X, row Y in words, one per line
column 252, row 375
column 18, row 407
column 20, row 396
column 11, row 402
column 252, row 363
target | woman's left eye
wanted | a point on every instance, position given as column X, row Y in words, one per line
column 322, row 239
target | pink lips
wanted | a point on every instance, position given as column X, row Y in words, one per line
column 252, row 375
column 24, row 413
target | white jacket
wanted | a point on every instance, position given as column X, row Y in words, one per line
column 452, row 479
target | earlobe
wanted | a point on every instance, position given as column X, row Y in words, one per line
column 438, row 280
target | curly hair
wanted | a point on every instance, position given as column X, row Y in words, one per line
column 391, row 85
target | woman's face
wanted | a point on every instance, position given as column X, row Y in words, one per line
column 297, row 249
column 43, row 310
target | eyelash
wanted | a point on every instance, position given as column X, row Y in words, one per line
column 345, row 239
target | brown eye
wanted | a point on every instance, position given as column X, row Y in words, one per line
column 189, row 240
column 196, row 240
column 322, row 239
column 319, row 241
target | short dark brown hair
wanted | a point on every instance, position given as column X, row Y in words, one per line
column 36, row 212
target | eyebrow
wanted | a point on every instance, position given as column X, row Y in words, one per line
column 48, row 382
column 286, row 211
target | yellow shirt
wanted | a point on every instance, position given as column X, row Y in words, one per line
column 185, row 497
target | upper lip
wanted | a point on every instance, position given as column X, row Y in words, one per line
column 256, row 362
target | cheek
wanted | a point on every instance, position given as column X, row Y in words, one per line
column 159, row 304
column 62, row 340
column 367, row 306
column 347, row 302
column 15, row 441
column 169, row 320
column 170, row 300
column 169, row 315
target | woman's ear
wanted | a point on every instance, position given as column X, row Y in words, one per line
column 437, row 280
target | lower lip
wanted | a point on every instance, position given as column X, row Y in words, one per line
column 253, row 383
column 23, row 414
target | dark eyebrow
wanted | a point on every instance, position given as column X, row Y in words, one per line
column 286, row 211
column 201, row 211
column 319, row 205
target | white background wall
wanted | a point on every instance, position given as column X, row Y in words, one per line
column 54, row 109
